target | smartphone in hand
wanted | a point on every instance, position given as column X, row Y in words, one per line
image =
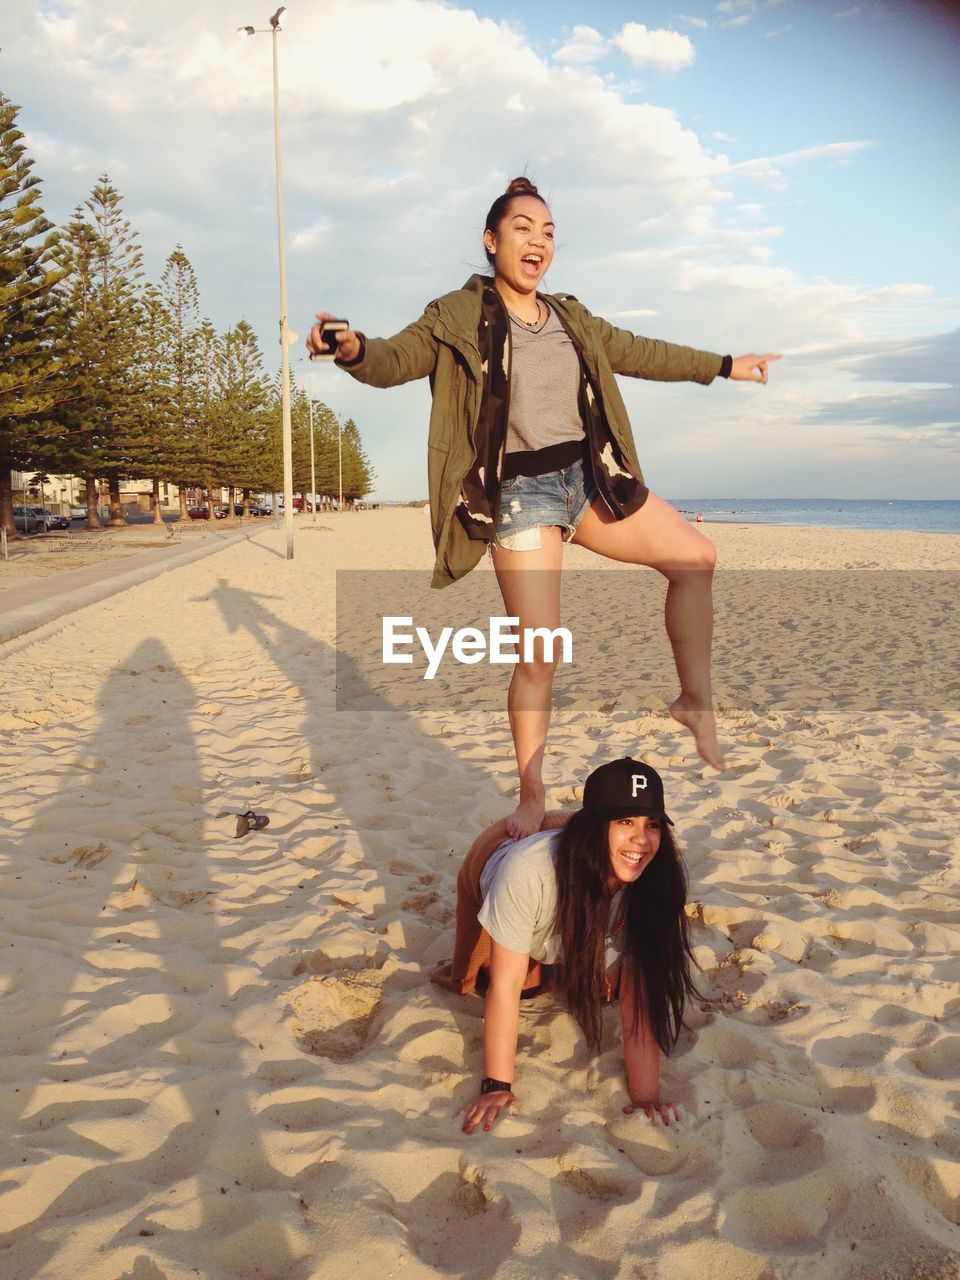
column 329, row 340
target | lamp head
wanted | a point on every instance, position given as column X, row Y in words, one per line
column 246, row 31
column 275, row 19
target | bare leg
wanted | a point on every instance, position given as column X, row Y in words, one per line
column 530, row 586
column 658, row 536
column 471, row 951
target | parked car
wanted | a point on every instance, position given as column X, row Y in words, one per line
column 258, row 509
column 78, row 513
column 199, row 513
column 38, row 519
column 27, row 520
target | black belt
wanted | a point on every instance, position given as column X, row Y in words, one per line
column 538, row 462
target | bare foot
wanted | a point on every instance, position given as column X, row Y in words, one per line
column 699, row 719
column 526, row 819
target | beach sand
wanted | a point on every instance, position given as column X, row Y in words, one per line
column 223, row 1058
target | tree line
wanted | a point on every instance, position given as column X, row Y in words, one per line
column 107, row 376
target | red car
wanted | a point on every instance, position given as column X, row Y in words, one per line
column 199, row 513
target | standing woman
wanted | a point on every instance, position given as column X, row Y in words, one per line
column 530, row 447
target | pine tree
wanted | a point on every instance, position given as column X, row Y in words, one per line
column 244, row 400
column 109, row 413
column 79, row 443
column 358, row 475
column 300, row 436
column 207, row 467
column 32, row 378
column 117, row 314
column 155, row 334
column 327, row 431
column 182, row 358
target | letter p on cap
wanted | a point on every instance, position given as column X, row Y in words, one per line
column 639, row 782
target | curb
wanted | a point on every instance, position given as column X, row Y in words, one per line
column 47, row 616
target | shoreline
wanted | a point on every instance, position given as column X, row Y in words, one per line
column 827, row 528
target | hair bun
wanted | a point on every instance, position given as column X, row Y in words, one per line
column 522, row 187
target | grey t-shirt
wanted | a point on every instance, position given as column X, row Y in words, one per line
column 519, row 886
column 544, row 386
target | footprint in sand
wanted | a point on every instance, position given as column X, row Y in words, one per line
column 793, row 1214
column 850, row 1099
column 865, row 1050
column 85, row 855
column 592, row 1176
column 773, row 1141
column 334, row 1014
column 456, row 1219
column 940, row 1060
column 937, row 1180
column 657, row 1151
column 419, row 902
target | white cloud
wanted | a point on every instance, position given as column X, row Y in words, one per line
column 584, row 46
column 662, row 49
column 310, row 239
column 736, row 13
column 767, row 171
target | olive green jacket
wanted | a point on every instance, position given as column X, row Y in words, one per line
column 443, row 346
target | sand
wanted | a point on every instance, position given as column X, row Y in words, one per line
column 222, row 1058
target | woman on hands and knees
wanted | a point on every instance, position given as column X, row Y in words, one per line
column 600, row 895
column 531, row 447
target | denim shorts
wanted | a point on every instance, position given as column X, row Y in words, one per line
column 528, row 502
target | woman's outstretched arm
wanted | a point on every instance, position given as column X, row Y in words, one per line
column 641, row 1053
column 501, row 1023
column 382, row 362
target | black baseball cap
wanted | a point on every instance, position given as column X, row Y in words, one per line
column 624, row 789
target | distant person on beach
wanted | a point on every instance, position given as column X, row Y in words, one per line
column 598, row 894
column 530, row 447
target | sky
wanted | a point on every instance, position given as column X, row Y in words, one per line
column 736, row 175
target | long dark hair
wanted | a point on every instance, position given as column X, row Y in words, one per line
column 500, row 206
column 656, row 938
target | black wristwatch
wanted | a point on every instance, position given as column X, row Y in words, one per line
column 489, row 1085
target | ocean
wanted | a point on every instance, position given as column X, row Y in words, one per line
column 918, row 516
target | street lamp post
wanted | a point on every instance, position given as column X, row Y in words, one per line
column 340, row 459
column 287, row 336
column 313, row 464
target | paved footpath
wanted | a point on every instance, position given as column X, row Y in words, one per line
column 36, row 606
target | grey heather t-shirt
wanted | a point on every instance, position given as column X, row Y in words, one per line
column 544, row 387
column 519, row 886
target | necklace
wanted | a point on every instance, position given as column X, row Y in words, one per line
column 528, row 324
